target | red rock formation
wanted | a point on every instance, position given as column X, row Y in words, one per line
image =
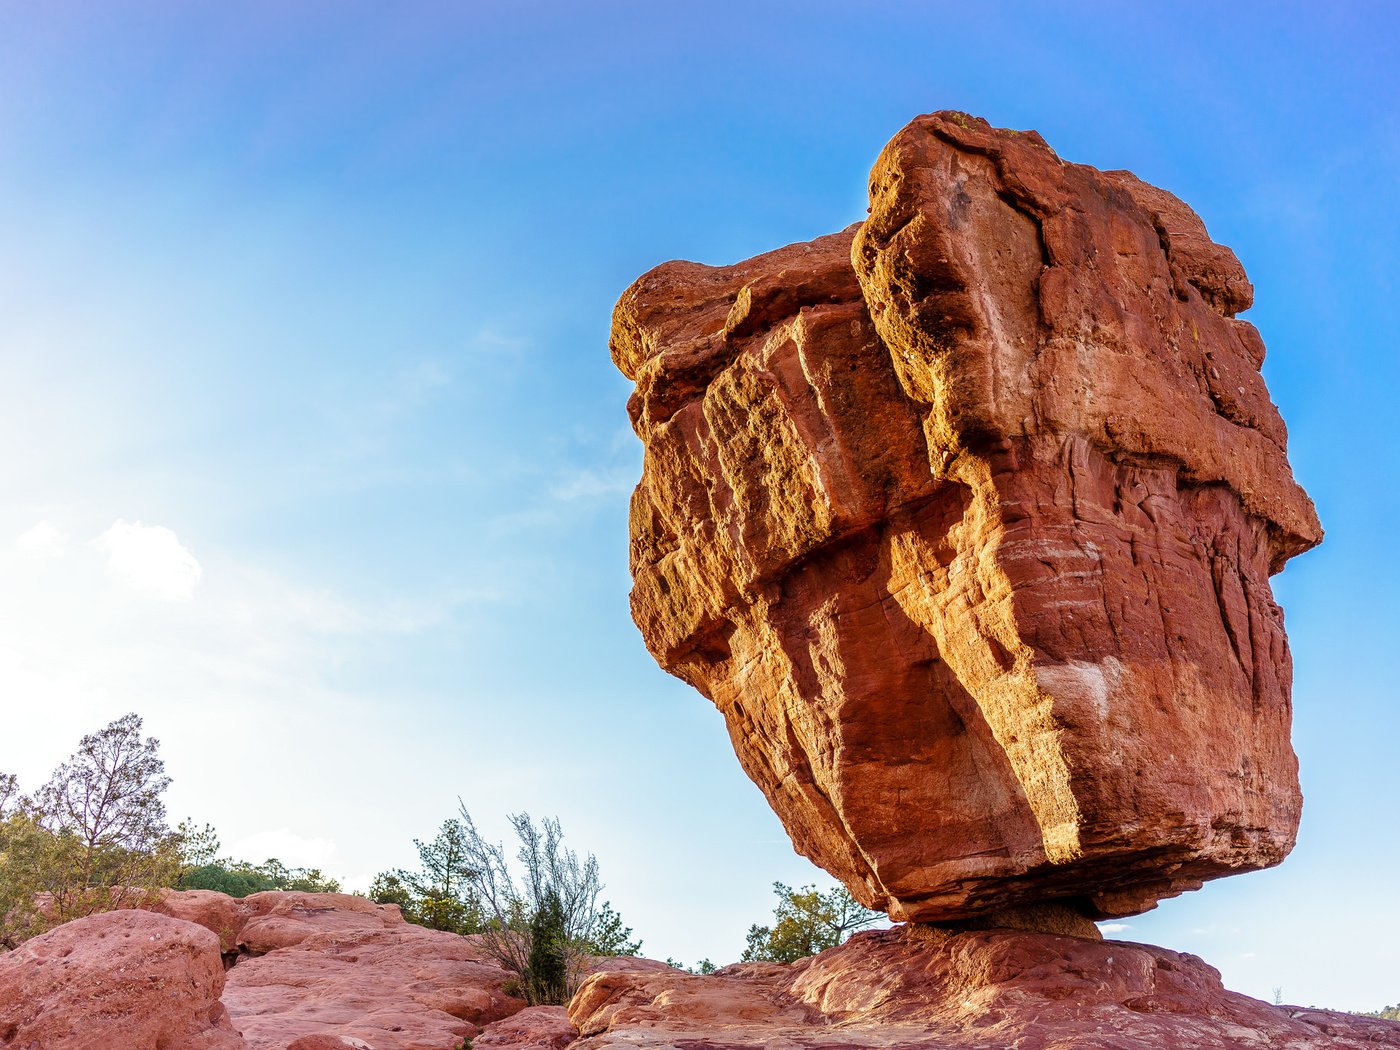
column 910, row 987
column 355, row 979
column 964, row 519
column 534, row 1028
column 344, row 970
column 126, row 979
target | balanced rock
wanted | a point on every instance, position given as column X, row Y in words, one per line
column 964, row 518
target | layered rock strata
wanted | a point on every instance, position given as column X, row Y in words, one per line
column 964, row 518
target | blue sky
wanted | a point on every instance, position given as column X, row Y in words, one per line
column 312, row 453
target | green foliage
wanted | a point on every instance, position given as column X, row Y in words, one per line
column 1389, row 1013
column 239, row 878
column 547, row 968
column 25, row 856
column 222, row 879
column 609, row 936
column 201, row 868
column 92, row 838
column 388, row 888
column 548, row 915
column 704, row 966
column 806, row 922
column 439, row 895
column 199, row 847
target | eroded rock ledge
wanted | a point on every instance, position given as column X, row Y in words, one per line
column 964, row 519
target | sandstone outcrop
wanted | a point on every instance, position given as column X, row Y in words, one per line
column 126, row 979
column 912, row 987
column 315, row 970
column 964, row 519
column 534, row 1028
column 353, row 978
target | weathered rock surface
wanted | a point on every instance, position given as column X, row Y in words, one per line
column 355, row 979
column 345, row 971
column 126, row 979
column 908, row 987
column 534, row 1028
column 964, row 519
column 394, row 988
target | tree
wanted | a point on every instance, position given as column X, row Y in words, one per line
column 25, row 854
column 547, row 965
column 199, row 847
column 201, row 868
column 94, row 838
column 438, row 896
column 806, row 922
column 388, row 888
column 609, row 936
column 550, row 917
column 239, row 878
column 9, row 794
column 103, row 810
column 109, row 792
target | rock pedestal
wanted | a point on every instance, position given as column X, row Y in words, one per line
column 964, row 519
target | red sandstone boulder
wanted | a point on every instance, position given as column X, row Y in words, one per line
column 280, row 919
column 215, row 911
column 126, row 979
column 328, row 1042
column 534, row 1028
column 913, row 987
column 338, row 967
column 964, row 519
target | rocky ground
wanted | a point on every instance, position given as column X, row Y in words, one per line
column 298, row 971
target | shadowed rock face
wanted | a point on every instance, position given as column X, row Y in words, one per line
column 964, row 518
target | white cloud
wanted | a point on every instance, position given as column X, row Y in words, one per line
column 1115, row 927
column 45, row 540
column 150, row 559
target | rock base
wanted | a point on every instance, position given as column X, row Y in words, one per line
column 331, row 972
column 919, row 986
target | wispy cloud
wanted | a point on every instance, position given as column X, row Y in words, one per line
column 592, row 484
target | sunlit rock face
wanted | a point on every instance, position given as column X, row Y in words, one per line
column 964, row 519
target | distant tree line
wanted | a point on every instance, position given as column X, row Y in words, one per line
column 94, row 837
